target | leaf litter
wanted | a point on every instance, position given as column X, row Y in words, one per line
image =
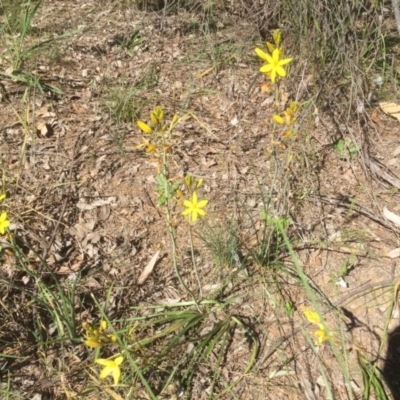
column 111, row 222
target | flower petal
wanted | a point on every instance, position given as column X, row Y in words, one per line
column 277, row 36
column 188, row 203
column 106, row 371
column 266, row 68
column 271, row 47
column 144, row 127
column 288, row 134
column 278, row 119
column 280, row 71
column 92, row 342
column 263, row 55
column 321, row 336
column 273, row 75
column 311, row 316
column 2, row 197
column 285, row 61
column 119, row 360
column 194, row 198
column 116, row 375
column 150, row 148
column 187, row 211
column 103, row 361
column 202, row 203
column 194, row 215
column 201, row 212
column 275, row 56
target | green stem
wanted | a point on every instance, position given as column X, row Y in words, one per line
column 172, row 234
column 194, row 261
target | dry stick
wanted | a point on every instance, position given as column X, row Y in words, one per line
column 351, row 205
column 396, row 9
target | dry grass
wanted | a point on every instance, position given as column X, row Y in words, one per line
column 219, row 314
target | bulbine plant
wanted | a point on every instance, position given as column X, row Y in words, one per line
column 168, row 345
column 159, row 144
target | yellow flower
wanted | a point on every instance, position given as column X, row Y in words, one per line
column 288, row 134
column 289, row 118
column 189, row 181
column 277, row 36
column 4, row 223
column 277, row 39
column 144, row 127
column 95, row 337
column 157, row 115
column 321, row 335
column 111, row 367
column 174, row 120
column 275, row 64
column 149, row 147
column 194, row 207
column 315, row 319
column 93, row 342
column 311, row 316
column 278, row 119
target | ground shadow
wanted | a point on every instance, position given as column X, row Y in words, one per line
column 391, row 368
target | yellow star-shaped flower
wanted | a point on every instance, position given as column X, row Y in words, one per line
column 111, row 367
column 194, row 207
column 274, row 66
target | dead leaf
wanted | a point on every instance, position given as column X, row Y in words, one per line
column 266, row 87
column 42, row 128
column 104, row 212
column 98, row 203
column 394, row 253
column 392, row 217
column 78, row 108
column 149, row 268
column 375, row 117
column 381, row 170
column 44, row 112
column 66, row 269
column 392, row 109
column 396, row 151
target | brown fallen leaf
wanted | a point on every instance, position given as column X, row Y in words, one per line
column 148, row 270
column 375, row 117
column 79, row 109
column 392, row 217
column 42, row 128
column 395, row 253
column 392, row 109
column 98, row 203
column 381, row 170
column 66, row 269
